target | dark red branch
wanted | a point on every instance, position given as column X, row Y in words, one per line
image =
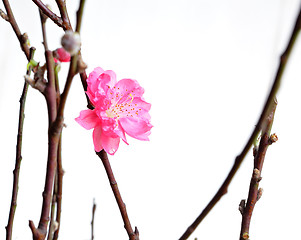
column 127, row 225
column 256, row 176
column 238, row 160
column 53, row 139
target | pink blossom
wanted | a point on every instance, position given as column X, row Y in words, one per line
column 61, row 55
column 119, row 110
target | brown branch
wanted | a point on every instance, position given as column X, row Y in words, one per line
column 92, row 222
column 238, row 160
column 3, row 15
column 56, row 119
column 59, row 190
column 79, row 15
column 56, row 19
column 53, row 139
column 22, row 38
column 127, row 225
column 52, row 221
column 254, row 193
column 64, row 14
column 16, row 171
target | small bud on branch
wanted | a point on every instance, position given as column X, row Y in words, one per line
column 273, row 138
column 71, row 42
column 3, row 15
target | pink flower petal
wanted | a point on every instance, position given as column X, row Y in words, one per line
column 88, row 119
column 112, row 75
column 128, row 89
column 102, row 141
column 92, row 80
column 97, row 132
column 110, row 145
column 136, row 128
column 121, row 133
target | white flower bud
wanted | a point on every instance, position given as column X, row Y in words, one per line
column 71, row 42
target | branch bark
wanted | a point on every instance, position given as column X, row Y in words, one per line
column 254, row 193
column 22, row 38
column 127, row 225
column 16, row 171
column 56, row 19
column 238, row 160
column 92, row 221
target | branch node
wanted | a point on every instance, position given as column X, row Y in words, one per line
column 242, row 206
column 259, row 193
column 25, row 39
column 245, row 235
column 256, row 174
column 37, row 234
column 255, row 151
column 136, row 231
column 273, row 138
column 81, row 65
column 3, row 15
column 39, row 85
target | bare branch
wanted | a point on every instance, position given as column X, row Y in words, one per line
column 238, row 160
column 13, row 23
column 127, row 225
column 254, row 193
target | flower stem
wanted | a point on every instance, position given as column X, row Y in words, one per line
column 238, row 160
column 127, row 225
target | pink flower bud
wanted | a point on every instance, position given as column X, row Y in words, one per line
column 61, row 55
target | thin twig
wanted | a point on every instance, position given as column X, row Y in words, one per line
column 59, row 192
column 13, row 23
column 64, row 14
column 52, row 221
column 254, row 193
column 56, row 19
column 127, row 225
column 3, row 15
column 79, row 15
column 224, row 187
column 16, row 171
column 92, row 222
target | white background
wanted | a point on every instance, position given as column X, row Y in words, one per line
column 206, row 67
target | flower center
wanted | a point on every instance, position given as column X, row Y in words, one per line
column 125, row 109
